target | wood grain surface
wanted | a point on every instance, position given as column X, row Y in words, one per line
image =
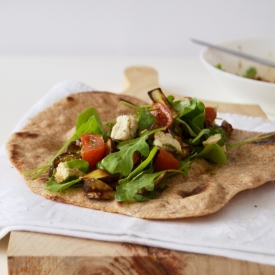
column 32, row 253
column 35, row 253
column 139, row 80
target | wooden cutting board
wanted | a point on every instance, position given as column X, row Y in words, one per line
column 32, row 253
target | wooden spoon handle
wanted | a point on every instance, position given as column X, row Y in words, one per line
column 139, row 80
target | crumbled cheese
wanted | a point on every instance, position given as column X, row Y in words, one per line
column 125, row 128
column 212, row 140
column 63, row 172
column 166, row 140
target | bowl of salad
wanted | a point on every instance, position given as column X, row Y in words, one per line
column 251, row 82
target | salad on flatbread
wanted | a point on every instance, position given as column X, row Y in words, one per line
column 160, row 160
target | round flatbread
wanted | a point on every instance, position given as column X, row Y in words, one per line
column 206, row 189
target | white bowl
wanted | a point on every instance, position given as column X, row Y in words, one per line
column 233, row 68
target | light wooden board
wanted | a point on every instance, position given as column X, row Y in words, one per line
column 32, row 253
column 140, row 80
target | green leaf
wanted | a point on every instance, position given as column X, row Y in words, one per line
column 219, row 66
column 80, row 164
column 190, row 130
column 184, row 165
column 250, row 72
column 122, row 161
column 85, row 116
column 55, row 186
column 144, row 180
column 145, row 197
column 145, row 119
column 144, row 164
column 91, row 126
column 191, row 114
column 213, row 152
column 129, row 190
column 204, row 132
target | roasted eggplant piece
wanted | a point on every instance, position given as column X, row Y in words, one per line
column 63, row 158
column 74, row 146
column 111, row 180
column 110, row 146
column 158, row 96
column 227, row 127
column 100, row 174
column 97, row 189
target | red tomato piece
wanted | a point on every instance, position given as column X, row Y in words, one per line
column 165, row 160
column 210, row 114
column 93, row 148
column 162, row 114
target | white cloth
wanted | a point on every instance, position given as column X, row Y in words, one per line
column 243, row 229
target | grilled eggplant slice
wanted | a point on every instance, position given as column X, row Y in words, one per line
column 63, row 158
column 97, row 189
column 158, row 96
column 100, row 174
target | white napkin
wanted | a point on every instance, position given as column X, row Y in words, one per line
column 243, row 229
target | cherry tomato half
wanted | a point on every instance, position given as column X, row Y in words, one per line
column 162, row 114
column 165, row 160
column 93, row 148
column 210, row 114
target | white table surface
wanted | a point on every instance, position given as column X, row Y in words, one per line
column 24, row 80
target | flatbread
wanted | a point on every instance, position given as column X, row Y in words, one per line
column 206, row 189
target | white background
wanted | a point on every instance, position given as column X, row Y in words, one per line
column 127, row 27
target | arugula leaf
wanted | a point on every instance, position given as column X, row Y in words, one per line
column 146, row 179
column 143, row 116
column 197, row 139
column 248, row 141
column 145, row 197
column 80, row 164
column 191, row 113
column 213, row 152
column 88, row 122
column 129, row 190
column 55, row 186
column 145, row 119
column 91, row 126
column 85, row 116
column 144, row 164
column 122, row 161
column 191, row 132
column 184, row 165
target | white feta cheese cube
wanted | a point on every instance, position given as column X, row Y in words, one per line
column 212, row 140
column 165, row 140
column 125, row 128
column 63, row 172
